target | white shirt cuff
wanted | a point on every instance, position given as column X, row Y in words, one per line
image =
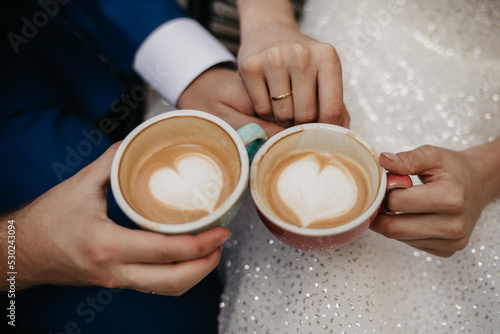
column 175, row 54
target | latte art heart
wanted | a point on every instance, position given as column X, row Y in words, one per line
column 183, row 182
column 316, row 189
column 314, row 192
column 195, row 183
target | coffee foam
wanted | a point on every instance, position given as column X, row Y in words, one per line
column 182, row 183
column 316, row 189
column 194, row 183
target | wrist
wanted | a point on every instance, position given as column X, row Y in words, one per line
column 263, row 15
column 16, row 241
column 200, row 86
column 485, row 160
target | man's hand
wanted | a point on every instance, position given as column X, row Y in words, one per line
column 220, row 92
column 64, row 237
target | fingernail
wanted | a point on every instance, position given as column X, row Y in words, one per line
column 391, row 156
column 223, row 240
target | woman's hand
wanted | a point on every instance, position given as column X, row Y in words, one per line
column 220, row 92
column 275, row 58
column 439, row 216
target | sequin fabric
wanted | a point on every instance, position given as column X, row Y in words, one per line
column 414, row 73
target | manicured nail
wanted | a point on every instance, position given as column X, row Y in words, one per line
column 391, row 156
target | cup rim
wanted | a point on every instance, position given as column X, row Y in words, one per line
column 317, row 232
column 203, row 221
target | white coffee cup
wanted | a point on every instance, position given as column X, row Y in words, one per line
column 184, row 127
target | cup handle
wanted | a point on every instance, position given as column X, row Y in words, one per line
column 254, row 136
column 394, row 181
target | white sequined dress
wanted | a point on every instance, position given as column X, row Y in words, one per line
column 414, row 72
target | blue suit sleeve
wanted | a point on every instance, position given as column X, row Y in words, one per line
column 118, row 27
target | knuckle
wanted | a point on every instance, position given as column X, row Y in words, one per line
column 332, row 110
column 455, row 200
column 327, row 51
column 455, row 230
column 109, row 282
column 301, row 56
column 388, row 230
column 422, row 153
column 95, row 259
column 306, row 116
column 392, row 201
column 446, row 254
column 198, row 248
column 252, row 65
column 262, row 109
column 426, row 152
column 99, row 253
column 178, row 293
column 201, row 249
column 460, row 244
column 106, row 278
column 165, row 255
column 284, row 114
column 176, row 288
column 274, row 56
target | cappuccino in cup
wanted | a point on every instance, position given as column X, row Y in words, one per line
column 319, row 186
column 184, row 171
column 183, row 182
column 316, row 189
column 183, row 177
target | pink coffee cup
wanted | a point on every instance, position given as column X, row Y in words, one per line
column 337, row 140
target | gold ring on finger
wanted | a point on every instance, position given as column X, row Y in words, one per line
column 281, row 97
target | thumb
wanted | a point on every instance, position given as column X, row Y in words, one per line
column 414, row 162
column 99, row 171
